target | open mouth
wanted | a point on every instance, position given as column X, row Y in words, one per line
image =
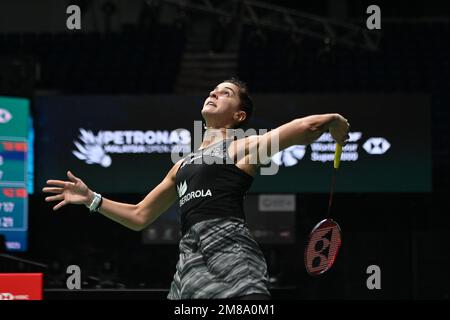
column 211, row 103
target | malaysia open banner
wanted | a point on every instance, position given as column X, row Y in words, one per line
column 123, row 144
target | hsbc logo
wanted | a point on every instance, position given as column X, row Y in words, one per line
column 5, row 116
column 6, row 296
column 376, row 146
column 10, row 296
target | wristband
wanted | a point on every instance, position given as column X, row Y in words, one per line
column 96, row 202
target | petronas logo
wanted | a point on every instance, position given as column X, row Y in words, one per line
column 182, row 188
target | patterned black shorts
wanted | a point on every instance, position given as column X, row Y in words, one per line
column 219, row 259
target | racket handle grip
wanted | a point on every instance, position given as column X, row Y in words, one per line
column 337, row 155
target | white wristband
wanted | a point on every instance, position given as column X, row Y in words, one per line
column 95, row 202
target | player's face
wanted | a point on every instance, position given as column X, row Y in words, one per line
column 221, row 105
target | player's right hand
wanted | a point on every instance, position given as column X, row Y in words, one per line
column 339, row 130
column 74, row 191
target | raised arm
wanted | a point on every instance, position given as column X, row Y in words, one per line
column 133, row 216
column 308, row 129
column 301, row 131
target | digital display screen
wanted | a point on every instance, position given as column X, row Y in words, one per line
column 122, row 144
column 389, row 148
column 119, row 144
column 14, row 172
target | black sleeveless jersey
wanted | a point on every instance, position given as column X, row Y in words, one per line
column 210, row 185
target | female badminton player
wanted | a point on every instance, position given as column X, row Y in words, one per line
column 219, row 259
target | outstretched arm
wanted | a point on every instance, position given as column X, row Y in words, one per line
column 301, row 131
column 133, row 216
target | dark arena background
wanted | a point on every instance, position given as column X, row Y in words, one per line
column 110, row 97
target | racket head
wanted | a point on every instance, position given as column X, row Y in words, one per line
column 323, row 247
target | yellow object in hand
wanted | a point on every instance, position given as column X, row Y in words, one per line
column 337, row 155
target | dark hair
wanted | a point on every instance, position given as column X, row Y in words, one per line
column 246, row 101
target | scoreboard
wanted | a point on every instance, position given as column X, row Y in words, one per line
column 14, row 131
